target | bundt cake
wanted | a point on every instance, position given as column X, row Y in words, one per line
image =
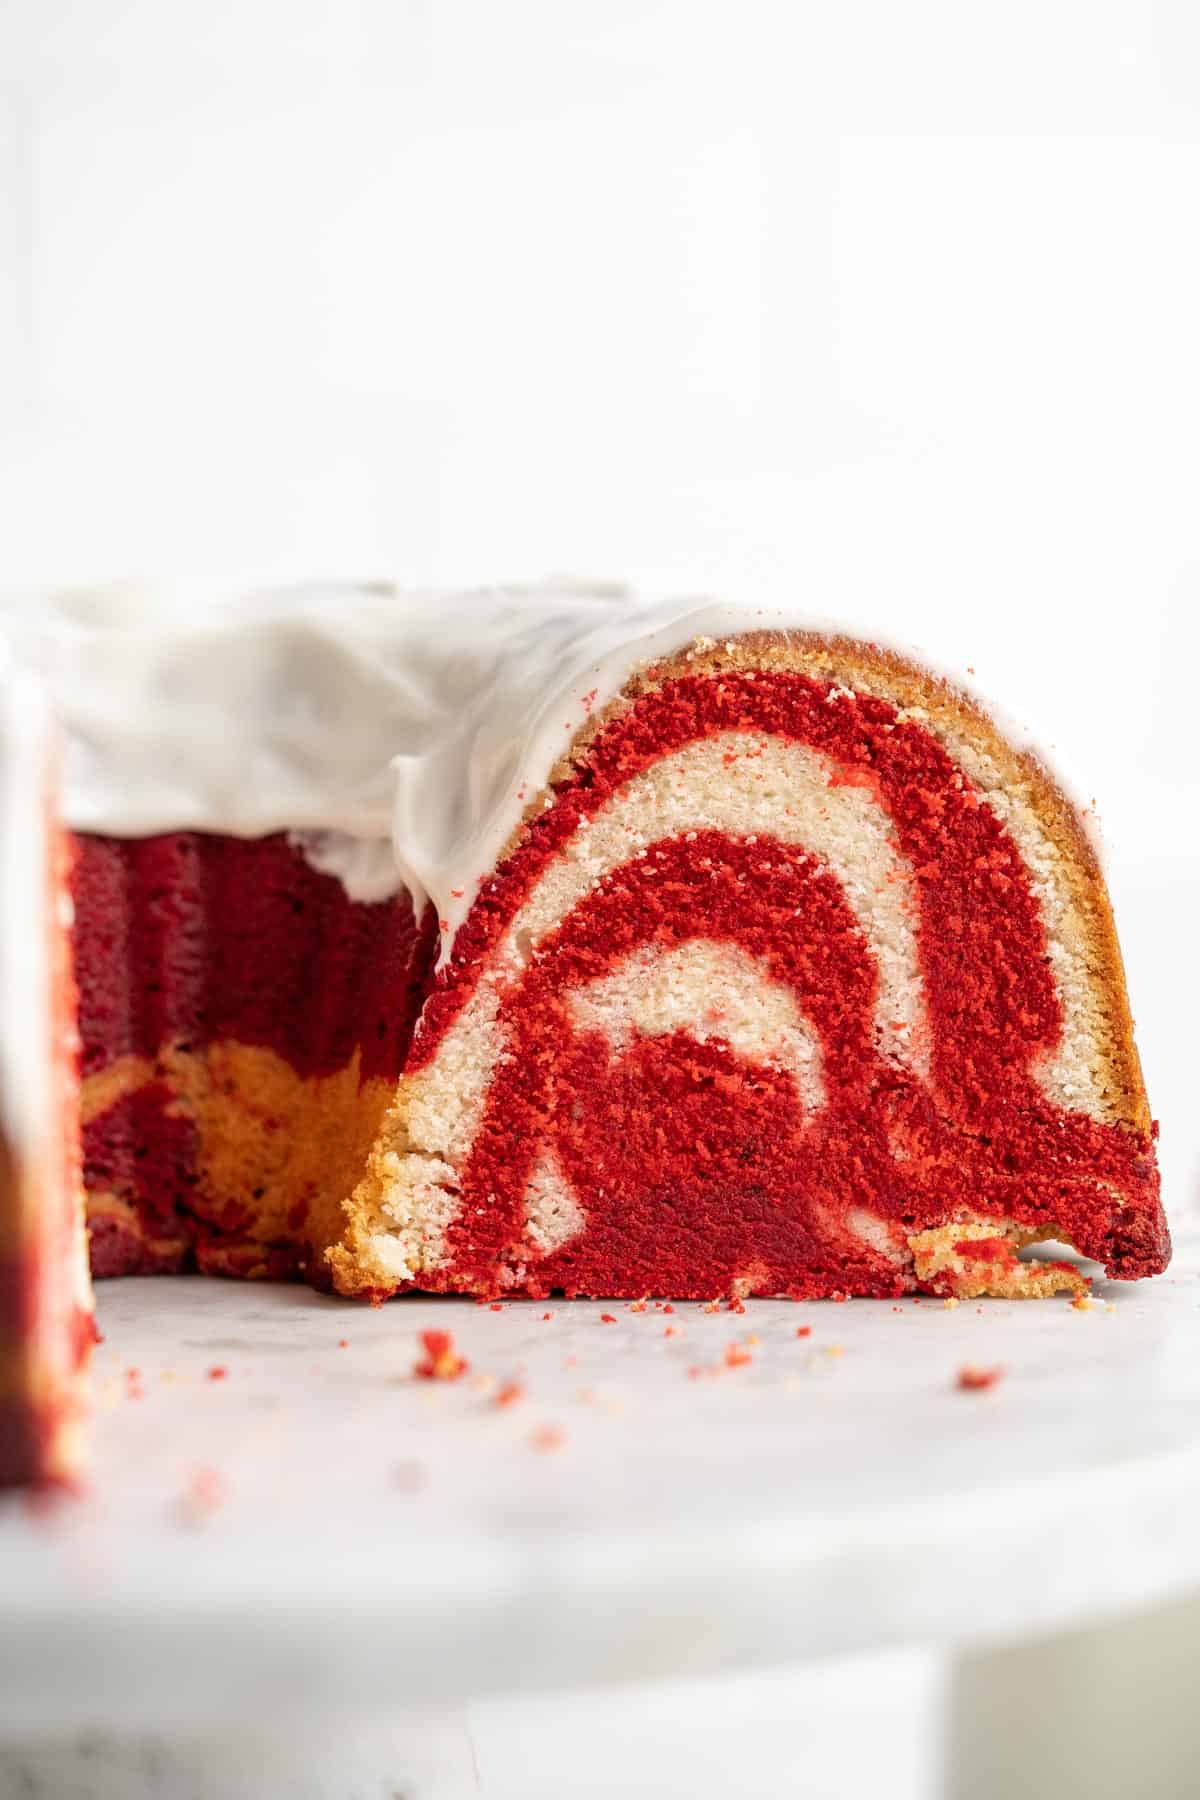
column 46, row 1329
column 551, row 940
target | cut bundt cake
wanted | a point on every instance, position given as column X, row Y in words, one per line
column 552, row 941
column 46, row 1329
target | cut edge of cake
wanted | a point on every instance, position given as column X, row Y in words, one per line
column 46, row 1318
column 398, row 1218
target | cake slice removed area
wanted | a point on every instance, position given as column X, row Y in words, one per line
column 796, row 977
column 244, row 1023
column 46, row 1324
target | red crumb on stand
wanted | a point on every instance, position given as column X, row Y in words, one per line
column 441, row 1361
column 974, row 1378
column 546, row 1316
column 497, row 1306
column 806, row 1330
column 670, row 1331
column 736, row 1355
column 548, row 1437
column 638, row 1306
column 218, row 1372
column 343, row 1343
column 736, row 1305
column 509, row 1394
column 608, row 1318
column 205, row 1494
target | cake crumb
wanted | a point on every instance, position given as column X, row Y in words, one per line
column 608, row 1318
column 736, row 1355
column 509, row 1394
column 1082, row 1303
column 441, row 1361
column 950, row 1302
column 218, row 1372
column 974, row 1378
column 804, row 1331
column 671, row 1331
column 548, row 1437
column 343, row 1343
column 205, row 1494
column 546, row 1316
column 737, row 1304
column 637, row 1306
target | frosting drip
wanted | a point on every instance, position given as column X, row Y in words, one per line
column 395, row 735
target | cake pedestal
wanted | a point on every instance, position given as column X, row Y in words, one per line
column 283, row 1524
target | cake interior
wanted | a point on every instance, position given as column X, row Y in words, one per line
column 244, row 1023
column 796, row 977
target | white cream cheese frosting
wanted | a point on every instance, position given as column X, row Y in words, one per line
column 397, row 735
column 28, row 755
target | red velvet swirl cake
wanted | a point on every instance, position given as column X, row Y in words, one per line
column 553, row 942
column 796, row 978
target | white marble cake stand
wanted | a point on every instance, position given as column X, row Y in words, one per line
column 316, row 1531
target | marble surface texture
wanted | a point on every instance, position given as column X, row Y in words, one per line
column 315, row 1527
